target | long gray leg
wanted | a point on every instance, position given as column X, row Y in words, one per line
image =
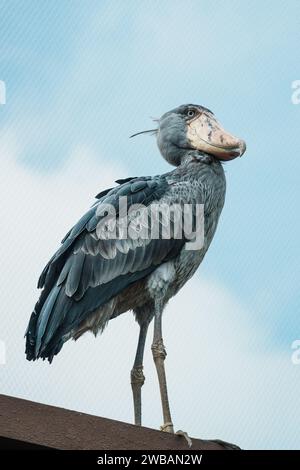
column 159, row 355
column 137, row 376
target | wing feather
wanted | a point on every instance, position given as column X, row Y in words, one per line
column 86, row 271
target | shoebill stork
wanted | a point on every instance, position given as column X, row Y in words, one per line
column 92, row 279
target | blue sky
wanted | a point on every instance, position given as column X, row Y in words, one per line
column 88, row 76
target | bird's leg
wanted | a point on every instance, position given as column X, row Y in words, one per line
column 137, row 376
column 159, row 355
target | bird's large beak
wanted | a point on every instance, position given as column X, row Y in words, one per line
column 205, row 133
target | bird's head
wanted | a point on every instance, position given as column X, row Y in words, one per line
column 194, row 129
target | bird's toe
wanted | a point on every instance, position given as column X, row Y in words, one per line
column 186, row 437
column 167, row 427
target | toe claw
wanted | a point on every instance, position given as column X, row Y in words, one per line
column 168, row 427
column 186, row 436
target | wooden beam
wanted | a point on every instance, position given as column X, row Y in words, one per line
column 26, row 424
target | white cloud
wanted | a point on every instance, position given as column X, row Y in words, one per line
column 222, row 381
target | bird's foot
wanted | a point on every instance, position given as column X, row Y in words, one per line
column 168, row 427
column 186, row 436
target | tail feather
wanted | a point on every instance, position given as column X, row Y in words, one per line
column 44, row 317
column 38, row 322
column 57, row 317
column 30, row 337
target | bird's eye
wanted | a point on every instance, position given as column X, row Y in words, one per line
column 191, row 113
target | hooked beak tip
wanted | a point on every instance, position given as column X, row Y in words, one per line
column 243, row 147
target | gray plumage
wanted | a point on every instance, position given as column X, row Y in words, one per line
column 90, row 280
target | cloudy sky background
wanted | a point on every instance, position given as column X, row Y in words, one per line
column 80, row 79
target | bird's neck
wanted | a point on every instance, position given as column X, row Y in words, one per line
column 199, row 166
column 197, row 157
column 181, row 156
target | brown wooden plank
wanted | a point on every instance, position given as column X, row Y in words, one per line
column 58, row 428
